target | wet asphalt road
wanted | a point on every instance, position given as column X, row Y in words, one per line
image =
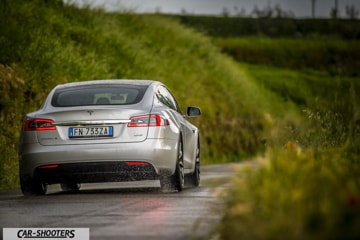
column 136, row 210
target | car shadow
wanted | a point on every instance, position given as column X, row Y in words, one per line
column 113, row 188
column 136, row 190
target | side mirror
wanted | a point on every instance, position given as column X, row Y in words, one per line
column 193, row 112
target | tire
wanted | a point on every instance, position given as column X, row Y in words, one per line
column 175, row 182
column 70, row 187
column 32, row 187
column 193, row 179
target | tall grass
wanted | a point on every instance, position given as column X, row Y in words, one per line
column 328, row 104
column 306, row 185
column 295, row 194
column 11, row 87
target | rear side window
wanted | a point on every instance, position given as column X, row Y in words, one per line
column 166, row 98
column 99, row 94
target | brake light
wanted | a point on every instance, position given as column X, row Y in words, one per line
column 49, row 166
column 151, row 120
column 38, row 124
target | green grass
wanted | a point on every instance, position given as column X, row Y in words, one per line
column 306, row 185
column 328, row 104
column 294, row 194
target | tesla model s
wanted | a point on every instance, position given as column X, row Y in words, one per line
column 109, row 131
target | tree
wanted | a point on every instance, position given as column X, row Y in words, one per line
column 279, row 13
column 239, row 13
column 271, row 12
column 266, row 12
column 225, row 12
column 335, row 11
column 351, row 11
column 313, row 8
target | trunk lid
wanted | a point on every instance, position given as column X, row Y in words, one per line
column 91, row 125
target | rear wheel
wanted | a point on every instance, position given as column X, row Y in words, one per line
column 72, row 187
column 194, row 178
column 176, row 181
column 32, row 187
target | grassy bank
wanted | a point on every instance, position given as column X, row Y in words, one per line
column 295, row 194
column 308, row 187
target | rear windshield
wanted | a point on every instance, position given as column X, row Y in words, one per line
column 98, row 95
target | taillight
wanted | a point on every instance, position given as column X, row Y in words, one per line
column 151, row 120
column 38, row 124
column 49, row 166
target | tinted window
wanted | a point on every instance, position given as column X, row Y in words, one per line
column 98, row 95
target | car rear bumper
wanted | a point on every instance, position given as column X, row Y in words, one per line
column 98, row 162
column 95, row 172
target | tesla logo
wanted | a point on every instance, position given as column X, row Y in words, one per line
column 90, row 112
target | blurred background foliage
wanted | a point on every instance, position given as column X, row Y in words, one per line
column 287, row 98
column 269, row 25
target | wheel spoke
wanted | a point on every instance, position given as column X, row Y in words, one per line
column 181, row 167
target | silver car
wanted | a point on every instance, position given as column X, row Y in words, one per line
column 109, row 131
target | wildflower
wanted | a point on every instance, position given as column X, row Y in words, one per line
column 291, row 146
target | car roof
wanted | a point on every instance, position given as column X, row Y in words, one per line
column 109, row 81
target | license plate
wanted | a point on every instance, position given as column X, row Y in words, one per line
column 86, row 132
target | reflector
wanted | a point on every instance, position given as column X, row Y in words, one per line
column 136, row 163
column 49, row 166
